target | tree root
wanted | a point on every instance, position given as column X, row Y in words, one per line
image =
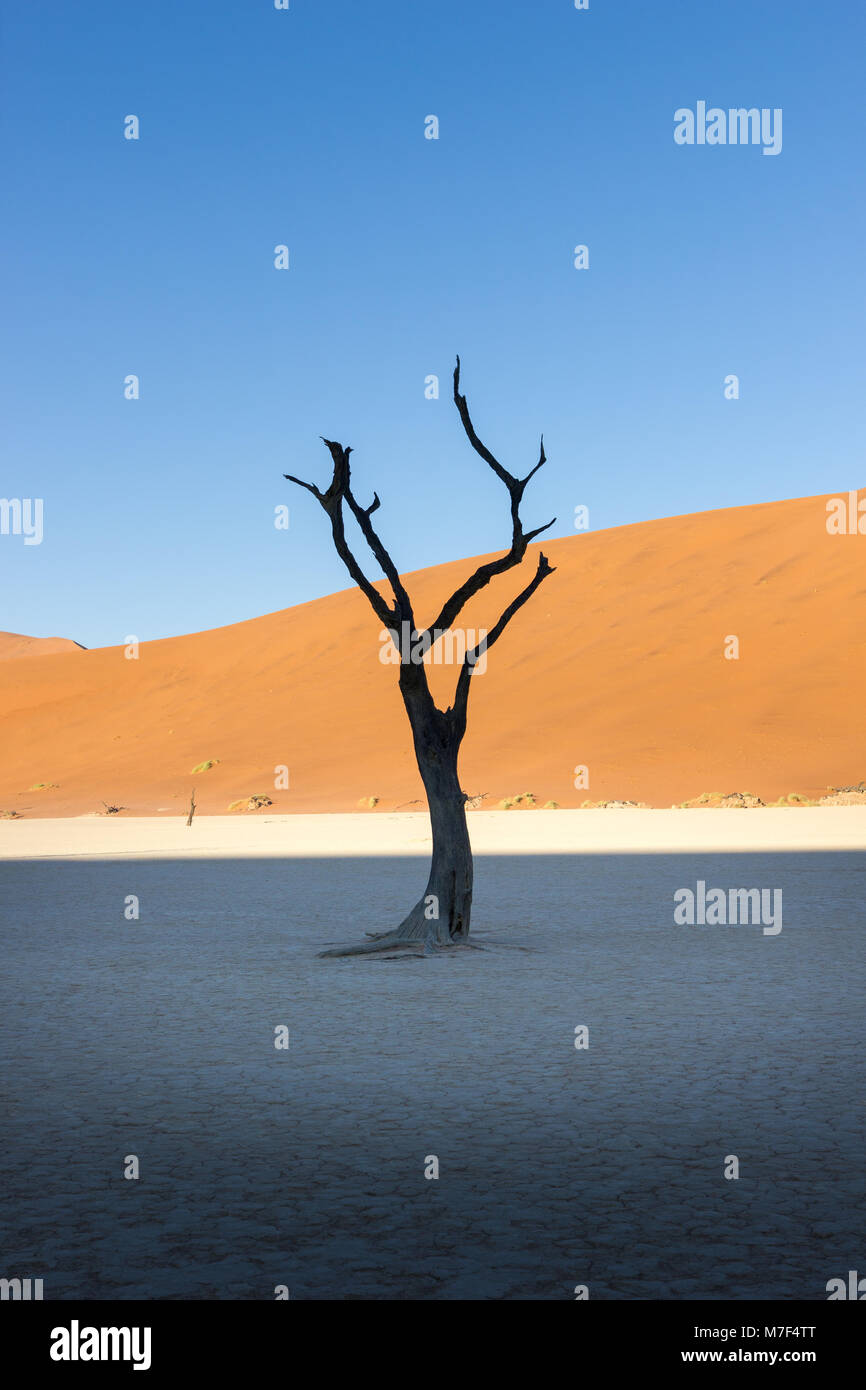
column 415, row 933
column 387, row 941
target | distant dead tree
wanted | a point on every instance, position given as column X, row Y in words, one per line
column 441, row 917
column 191, row 807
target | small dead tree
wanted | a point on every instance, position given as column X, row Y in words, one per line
column 441, row 917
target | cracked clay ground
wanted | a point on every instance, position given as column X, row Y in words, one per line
column 306, row 1167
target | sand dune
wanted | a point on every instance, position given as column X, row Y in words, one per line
column 617, row 663
column 14, row 644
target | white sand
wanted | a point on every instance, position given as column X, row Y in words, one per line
column 408, row 833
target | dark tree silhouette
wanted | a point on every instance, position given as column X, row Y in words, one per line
column 441, row 917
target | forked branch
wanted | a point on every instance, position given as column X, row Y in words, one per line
column 470, row 659
column 340, row 490
column 332, row 499
column 520, row 539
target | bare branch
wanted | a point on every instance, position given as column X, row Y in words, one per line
column 389, row 569
column 541, row 573
column 332, row 502
column 470, row 659
column 530, row 535
column 309, row 486
column 388, row 613
column 542, row 458
column 519, row 538
column 482, row 449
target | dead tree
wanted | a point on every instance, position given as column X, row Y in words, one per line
column 441, row 917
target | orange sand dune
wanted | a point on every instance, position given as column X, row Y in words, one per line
column 616, row 663
column 16, row 644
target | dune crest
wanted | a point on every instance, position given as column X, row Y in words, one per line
column 16, row 644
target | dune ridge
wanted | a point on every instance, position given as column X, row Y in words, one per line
column 16, row 644
column 617, row 664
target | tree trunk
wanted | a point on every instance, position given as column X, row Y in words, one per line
column 447, row 904
column 451, row 869
column 441, row 917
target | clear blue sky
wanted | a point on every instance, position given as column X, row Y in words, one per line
column 306, row 127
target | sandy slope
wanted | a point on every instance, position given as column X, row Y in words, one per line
column 617, row 663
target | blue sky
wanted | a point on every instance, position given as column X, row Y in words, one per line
column 306, row 127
